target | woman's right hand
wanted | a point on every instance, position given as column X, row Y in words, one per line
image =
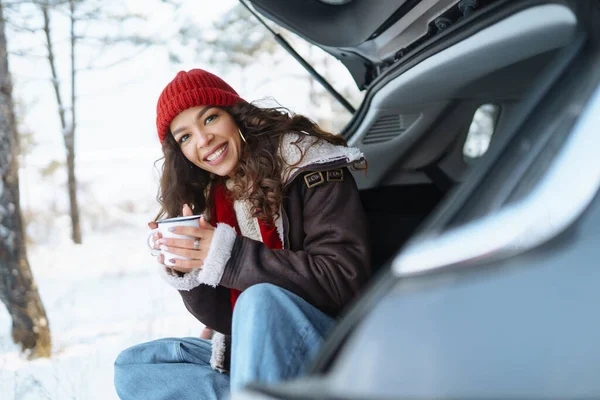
column 160, row 258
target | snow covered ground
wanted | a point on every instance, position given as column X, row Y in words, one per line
column 101, row 296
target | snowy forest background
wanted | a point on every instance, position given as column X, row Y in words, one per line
column 87, row 173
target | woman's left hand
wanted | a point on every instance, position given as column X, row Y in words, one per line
column 203, row 235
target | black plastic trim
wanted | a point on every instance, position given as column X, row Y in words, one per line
column 456, row 33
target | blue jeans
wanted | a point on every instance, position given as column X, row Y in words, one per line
column 274, row 334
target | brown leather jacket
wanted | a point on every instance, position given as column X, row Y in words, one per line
column 326, row 254
column 326, row 245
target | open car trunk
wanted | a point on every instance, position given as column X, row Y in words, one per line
column 426, row 81
column 528, row 67
column 419, row 118
column 367, row 36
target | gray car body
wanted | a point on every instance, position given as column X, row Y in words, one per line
column 496, row 295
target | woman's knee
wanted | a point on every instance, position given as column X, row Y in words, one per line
column 261, row 296
column 128, row 356
column 264, row 303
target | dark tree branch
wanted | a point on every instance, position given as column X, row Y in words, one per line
column 14, row 26
column 93, row 67
column 51, row 61
column 32, row 52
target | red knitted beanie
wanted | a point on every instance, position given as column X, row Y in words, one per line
column 191, row 89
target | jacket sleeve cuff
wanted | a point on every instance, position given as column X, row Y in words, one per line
column 214, row 263
column 180, row 282
column 219, row 358
column 218, row 255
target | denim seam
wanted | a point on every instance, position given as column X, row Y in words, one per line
column 181, row 358
column 295, row 351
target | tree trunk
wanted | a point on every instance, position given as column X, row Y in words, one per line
column 67, row 131
column 71, row 142
column 18, row 290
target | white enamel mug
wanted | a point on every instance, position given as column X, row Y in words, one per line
column 163, row 228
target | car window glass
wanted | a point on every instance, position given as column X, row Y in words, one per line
column 481, row 131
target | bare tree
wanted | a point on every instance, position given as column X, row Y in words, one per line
column 68, row 129
column 81, row 15
column 235, row 40
column 18, row 290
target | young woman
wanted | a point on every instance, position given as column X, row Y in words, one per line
column 282, row 248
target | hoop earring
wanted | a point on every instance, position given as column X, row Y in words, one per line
column 242, row 136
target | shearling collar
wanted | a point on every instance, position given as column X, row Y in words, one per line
column 318, row 155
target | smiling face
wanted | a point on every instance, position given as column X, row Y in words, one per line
column 209, row 138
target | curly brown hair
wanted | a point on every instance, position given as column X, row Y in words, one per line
column 257, row 177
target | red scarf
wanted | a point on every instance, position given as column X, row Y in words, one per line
column 223, row 212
